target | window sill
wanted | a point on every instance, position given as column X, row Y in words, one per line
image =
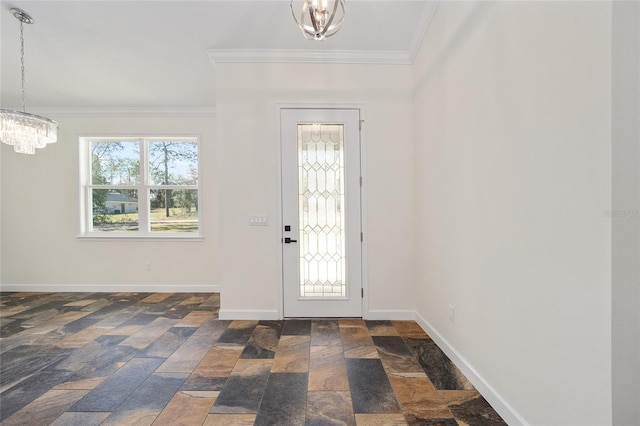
column 156, row 238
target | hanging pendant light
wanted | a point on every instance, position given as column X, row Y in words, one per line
column 25, row 131
column 318, row 19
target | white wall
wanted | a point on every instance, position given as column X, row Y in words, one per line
column 626, row 217
column 247, row 95
column 512, row 118
column 1, row 226
column 40, row 219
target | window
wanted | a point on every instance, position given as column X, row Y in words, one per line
column 140, row 187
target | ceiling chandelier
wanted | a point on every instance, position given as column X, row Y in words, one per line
column 25, row 131
column 318, row 19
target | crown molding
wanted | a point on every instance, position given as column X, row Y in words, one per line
column 390, row 57
column 127, row 111
column 422, row 29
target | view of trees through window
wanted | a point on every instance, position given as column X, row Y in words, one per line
column 144, row 185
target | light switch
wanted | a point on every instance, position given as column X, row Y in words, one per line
column 258, row 220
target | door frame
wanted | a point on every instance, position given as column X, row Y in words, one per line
column 363, row 195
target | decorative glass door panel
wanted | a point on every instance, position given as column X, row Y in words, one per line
column 321, row 213
column 321, row 217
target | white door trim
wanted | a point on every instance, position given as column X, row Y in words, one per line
column 278, row 107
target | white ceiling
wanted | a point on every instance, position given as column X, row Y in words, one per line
column 160, row 54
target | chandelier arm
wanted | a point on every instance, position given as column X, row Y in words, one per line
column 344, row 13
column 333, row 14
column 300, row 22
column 293, row 13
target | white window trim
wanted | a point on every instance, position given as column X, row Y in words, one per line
column 143, row 233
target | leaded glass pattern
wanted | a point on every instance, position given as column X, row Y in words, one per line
column 321, row 214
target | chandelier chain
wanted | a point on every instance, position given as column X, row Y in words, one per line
column 22, row 61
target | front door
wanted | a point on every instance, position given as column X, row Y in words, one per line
column 321, row 233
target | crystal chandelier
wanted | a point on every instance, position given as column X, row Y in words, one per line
column 318, row 19
column 25, row 131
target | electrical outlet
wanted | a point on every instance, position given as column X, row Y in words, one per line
column 452, row 313
column 148, row 265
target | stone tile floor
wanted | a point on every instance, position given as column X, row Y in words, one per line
column 165, row 359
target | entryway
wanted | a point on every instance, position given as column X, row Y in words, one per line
column 321, row 212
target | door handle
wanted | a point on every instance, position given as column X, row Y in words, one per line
column 288, row 240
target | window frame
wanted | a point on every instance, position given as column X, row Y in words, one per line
column 143, row 188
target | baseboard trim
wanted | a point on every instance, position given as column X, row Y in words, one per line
column 390, row 314
column 508, row 413
column 239, row 314
column 112, row 288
